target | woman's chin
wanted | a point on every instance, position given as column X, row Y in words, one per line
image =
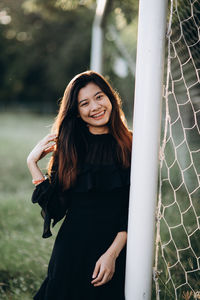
column 100, row 122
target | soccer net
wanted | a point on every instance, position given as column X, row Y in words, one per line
column 177, row 253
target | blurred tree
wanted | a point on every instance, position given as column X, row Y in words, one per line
column 41, row 52
column 120, row 50
column 45, row 43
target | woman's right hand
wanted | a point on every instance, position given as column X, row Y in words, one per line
column 43, row 147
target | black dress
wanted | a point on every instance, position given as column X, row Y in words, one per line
column 95, row 210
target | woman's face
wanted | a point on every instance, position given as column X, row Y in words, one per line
column 94, row 108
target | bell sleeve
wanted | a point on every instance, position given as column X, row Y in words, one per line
column 123, row 219
column 52, row 202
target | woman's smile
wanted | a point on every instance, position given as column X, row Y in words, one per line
column 99, row 115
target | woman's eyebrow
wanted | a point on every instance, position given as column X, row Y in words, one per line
column 99, row 92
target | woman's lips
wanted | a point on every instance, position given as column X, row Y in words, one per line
column 99, row 115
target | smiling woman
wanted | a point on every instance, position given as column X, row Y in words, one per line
column 88, row 184
column 94, row 108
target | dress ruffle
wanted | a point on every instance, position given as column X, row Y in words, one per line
column 103, row 178
column 54, row 204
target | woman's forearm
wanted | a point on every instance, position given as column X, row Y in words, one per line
column 118, row 244
column 34, row 170
column 42, row 148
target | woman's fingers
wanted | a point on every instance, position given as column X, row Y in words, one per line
column 43, row 147
column 105, row 277
column 48, row 138
column 49, row 145
column 103, row 280
column 48, row 142
column 96, row 270
column 47, row 149
column 51, row 136
column 51, row 148
column 104, row 270
column 99, row 277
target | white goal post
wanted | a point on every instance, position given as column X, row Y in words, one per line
column 146, row 137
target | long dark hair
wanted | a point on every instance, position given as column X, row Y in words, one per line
column 69, row 127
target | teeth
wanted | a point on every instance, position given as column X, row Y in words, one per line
column 98, row 115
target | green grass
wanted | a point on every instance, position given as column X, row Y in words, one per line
column 24, row 254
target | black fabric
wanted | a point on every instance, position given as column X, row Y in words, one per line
column 54, row 204
column 95, row 210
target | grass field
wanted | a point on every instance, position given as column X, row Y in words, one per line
column 24, row 254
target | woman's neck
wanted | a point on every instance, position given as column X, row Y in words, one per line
column 98, row 130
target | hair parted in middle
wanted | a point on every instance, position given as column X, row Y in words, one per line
column 70, row 127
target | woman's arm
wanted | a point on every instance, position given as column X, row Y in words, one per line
column 34, row 170
column 46, row 193
column 118, row 244
column 39, row 151
column 105, row 266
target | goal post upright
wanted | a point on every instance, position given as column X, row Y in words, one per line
column 146, row 138
column 96, row 59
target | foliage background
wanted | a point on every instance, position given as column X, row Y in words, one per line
column 45, row 43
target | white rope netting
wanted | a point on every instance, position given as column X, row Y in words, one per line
column 177, row 255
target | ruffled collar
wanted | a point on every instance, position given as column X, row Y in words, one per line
column 96, row 137
column 102, row 178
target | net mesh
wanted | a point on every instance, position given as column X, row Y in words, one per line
column 177, row 254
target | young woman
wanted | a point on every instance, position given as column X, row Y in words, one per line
column 88, row 184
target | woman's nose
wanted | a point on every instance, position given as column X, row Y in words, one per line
column 94, row 105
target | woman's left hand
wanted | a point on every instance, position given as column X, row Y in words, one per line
column 104, row 269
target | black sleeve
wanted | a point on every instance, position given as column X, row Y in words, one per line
column 52, row 202
column 123, row 221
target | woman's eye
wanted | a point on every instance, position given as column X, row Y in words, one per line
column 99, row 97
column 84, row 103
